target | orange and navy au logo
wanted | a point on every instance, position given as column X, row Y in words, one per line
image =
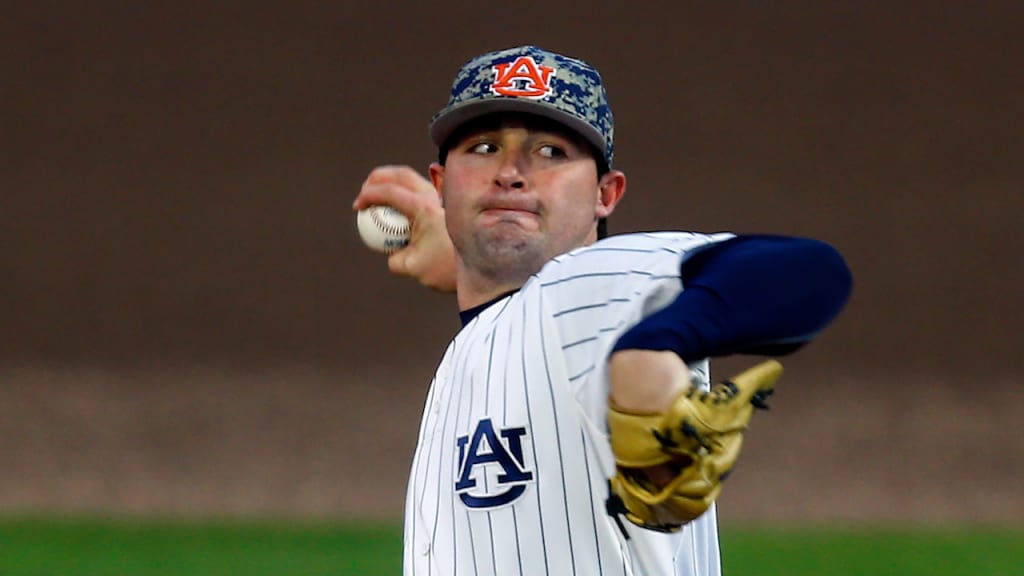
column 522, row 78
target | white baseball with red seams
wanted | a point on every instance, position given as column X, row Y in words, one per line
column 383, row 228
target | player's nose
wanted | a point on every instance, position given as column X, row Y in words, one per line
column 510, row 172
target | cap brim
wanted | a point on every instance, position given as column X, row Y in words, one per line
column 448, row 121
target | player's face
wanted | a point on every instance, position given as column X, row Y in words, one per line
column 518, row 193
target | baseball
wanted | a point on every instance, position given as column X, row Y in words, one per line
column 383, row 228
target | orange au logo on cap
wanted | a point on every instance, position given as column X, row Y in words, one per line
column 522, row 78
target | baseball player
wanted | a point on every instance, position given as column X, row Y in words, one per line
column 572, row 426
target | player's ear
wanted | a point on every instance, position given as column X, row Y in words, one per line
column 611, row 188
column 436, row 172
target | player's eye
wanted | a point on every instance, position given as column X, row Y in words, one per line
column 551, row 151
column 483, row 148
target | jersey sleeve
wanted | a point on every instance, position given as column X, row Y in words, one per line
column 596, row 293
column 751, row 294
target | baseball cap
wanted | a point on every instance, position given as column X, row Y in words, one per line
column 531, row 80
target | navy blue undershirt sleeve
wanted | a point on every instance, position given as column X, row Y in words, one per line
column 754, row 294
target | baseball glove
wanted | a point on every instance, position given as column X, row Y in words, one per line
column 697, row 439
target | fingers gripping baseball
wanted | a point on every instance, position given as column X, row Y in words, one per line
column 698, row 438
column 429, row 256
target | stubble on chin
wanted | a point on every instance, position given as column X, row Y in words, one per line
column 502, row 258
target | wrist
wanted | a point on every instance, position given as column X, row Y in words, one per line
column 646, row 381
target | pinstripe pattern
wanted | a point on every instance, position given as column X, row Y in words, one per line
column 509, row 475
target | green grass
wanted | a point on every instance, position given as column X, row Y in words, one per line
column 875, row 552
column 81, row 547
column 40, row 547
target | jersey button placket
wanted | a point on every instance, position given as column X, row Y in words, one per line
column 441, row 385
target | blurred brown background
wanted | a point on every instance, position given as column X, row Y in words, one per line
column 189, row 323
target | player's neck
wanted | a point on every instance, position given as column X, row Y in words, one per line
column 472, row 294
column 476, row 285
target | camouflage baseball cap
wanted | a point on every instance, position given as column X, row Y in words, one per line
column 533, row 80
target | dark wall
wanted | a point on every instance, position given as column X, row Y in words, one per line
column 176, row 179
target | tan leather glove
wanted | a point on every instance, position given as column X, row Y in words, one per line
column 698, row 437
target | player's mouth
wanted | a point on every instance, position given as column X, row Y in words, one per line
column 498, row 211
column 526, row 217
column 510, row 206
column 509, row 214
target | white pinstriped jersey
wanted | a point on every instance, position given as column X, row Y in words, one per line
column 510, row 473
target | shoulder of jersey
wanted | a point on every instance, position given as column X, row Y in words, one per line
column 616, row 251
column 678, row 242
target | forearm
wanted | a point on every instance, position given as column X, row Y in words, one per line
column 646, row 381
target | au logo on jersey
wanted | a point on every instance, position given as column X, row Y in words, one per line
column 522, row 78
column 486, row 450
